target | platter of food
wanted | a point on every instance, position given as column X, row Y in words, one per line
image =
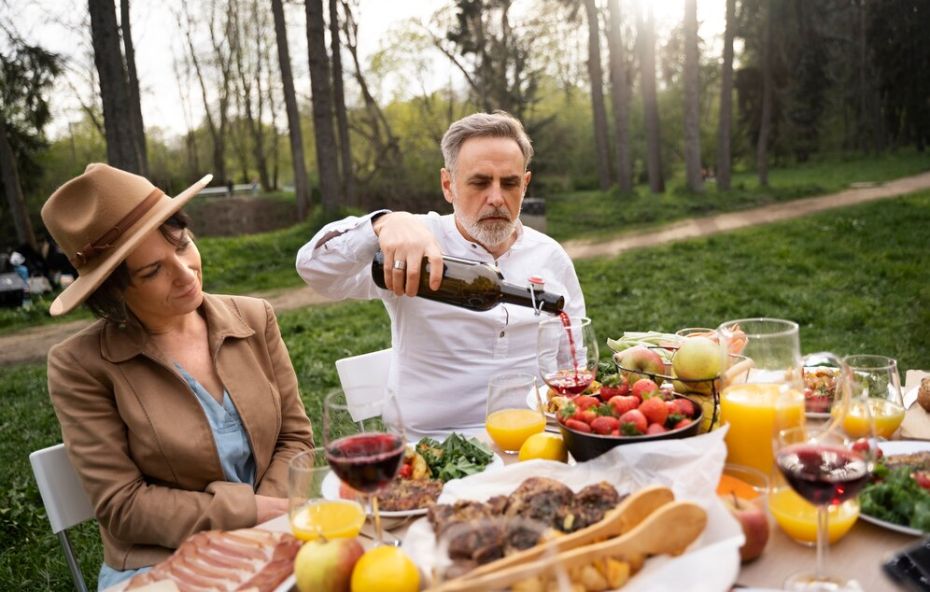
column 898, row 497
column 592, row 509
column 427, row 466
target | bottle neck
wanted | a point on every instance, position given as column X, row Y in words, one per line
column 545, row 301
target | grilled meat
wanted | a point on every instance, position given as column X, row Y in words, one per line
column 918, row 461
column 541, row 499
column 409, row 494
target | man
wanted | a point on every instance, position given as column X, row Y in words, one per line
column 443, row 356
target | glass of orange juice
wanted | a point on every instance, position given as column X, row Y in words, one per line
column 798, row 518
column 509, row 421
column 875, row 395
column 311, row 515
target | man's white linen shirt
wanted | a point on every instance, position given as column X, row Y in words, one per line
column 442, row 355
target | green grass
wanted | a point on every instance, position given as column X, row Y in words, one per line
column 855, row 280
column 594, row 214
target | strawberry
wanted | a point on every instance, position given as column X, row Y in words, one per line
column 673, row 418
column 585, row 416
column 635, row 420
column 655, row 410
column 604, row 425
column 623, row 403
column 645, row 388
column 671, row 406
column 612, row 386
column 682, row 424
column 585, row 401
column 578, row 426
column 685, row 407
column 656, row 428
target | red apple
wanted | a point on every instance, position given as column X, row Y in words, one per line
column 326, row 566
column 640, row 362
column 754, row 523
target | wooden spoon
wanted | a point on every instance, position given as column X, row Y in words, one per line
column 668, row 530
column 631, row 511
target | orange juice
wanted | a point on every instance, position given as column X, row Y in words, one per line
column 886, row 417
column 327, row 518
column 509, row 428
column 755, row 412
column 798, row 518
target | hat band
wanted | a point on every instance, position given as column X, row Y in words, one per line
column 95, row 248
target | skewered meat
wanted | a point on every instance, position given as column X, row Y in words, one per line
column 246, row 559
column 542, row 499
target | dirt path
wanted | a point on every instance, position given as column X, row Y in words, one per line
column 32, row 345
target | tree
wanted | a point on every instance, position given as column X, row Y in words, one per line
column 725, row 122
column 601, row 149
column 322, row 100
column 646, row 40
column 26, row 74
column 339, row 100
column 620, row 97
column 118, row 120
column 301, row 184
column 692, row 124
column 765, row 123
column 132, row 80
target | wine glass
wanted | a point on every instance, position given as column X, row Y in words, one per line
column 567, row 354
column 875, row 394
column 509, row 421
column 822, row 466
column 363, row 449
column 311, row 515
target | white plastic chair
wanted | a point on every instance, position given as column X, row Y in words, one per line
column 364, row 380
column 65, row 501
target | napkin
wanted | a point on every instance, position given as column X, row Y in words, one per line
column 916, row 424
column 690, row 467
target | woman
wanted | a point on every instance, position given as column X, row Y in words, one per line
column 179, row 409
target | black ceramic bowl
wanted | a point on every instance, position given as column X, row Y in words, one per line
column 584, row 446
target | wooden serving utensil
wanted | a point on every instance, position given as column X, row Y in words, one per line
column 668, row 530
column 631, row 511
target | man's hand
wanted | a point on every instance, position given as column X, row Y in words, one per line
column 406, row 241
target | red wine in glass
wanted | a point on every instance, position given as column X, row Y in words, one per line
column 823, row 474
column 570, row 382
column 368, row 461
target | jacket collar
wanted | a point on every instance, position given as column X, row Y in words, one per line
column 121, row 343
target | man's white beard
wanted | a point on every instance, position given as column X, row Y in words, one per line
column 489, row 233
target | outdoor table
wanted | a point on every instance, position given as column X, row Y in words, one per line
column 858, row 555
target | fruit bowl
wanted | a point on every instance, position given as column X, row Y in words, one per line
column 585, row 446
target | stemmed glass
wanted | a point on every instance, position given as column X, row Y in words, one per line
column 826, row 469
column 364, row 444
column 567, row 354
column 875, row 394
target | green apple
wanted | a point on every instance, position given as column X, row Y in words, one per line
column 698, row 358
column 326, row 566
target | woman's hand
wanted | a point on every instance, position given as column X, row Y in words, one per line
column 267, row 507
column 405, row 239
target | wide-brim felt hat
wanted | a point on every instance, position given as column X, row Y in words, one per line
column 99, row 218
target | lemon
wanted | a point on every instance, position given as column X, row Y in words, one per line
column 385, row 569
column 544, row 445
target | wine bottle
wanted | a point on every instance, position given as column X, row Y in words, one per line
column 474, row 285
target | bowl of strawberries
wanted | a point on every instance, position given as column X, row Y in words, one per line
column 591, row 425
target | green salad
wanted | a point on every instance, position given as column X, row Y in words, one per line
column 895, row 496
column 454, row 457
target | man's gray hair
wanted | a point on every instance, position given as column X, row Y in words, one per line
column 499, row 124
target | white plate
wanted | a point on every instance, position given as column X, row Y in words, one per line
column 910, row 397
column 531, row 403
column 893, row 448
column 330, row 490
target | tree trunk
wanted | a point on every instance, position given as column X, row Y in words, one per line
column 601, row 148
column 692, row 122
column 342, row 120
column 135, row 104
column 765, row 126
column 301, row 184
column 725, row 124
column 322, row 101
column 646, row 38
column 114, row 89
column 620, row 95
column 14, row 191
